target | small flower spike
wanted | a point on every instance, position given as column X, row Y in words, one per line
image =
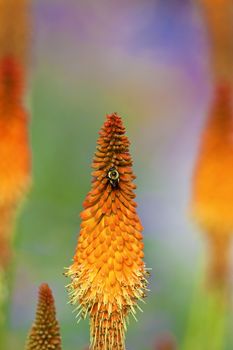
column 108, row 275
column 45, row 332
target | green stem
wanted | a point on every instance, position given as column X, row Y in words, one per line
column 6, row 281
column 208, row 320
column 4, row 306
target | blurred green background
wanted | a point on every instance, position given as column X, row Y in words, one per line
column 148, row 61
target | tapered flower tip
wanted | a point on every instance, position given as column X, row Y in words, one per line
column 165, row 342
column 45, row 332
column 11, row 81
column 108, row 274
column 212, row 202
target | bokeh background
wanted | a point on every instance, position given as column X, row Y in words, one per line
column 149, row 61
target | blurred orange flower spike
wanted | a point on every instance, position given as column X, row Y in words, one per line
column 212, row 203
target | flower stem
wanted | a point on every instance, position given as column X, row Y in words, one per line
column 4, row 305
column 208, row 319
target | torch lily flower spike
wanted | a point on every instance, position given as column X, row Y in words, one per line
column 212, row 200
column 15, row 162
column 45, row 332
column 108, row 275
column 15, row 155
column 14, row 144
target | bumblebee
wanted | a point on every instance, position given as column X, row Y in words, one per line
column 113, row 176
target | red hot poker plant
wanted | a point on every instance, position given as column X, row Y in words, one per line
column 212, row 200
column 14, row 149
column 14, row 146
column 45, row 331
column 108, row 274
